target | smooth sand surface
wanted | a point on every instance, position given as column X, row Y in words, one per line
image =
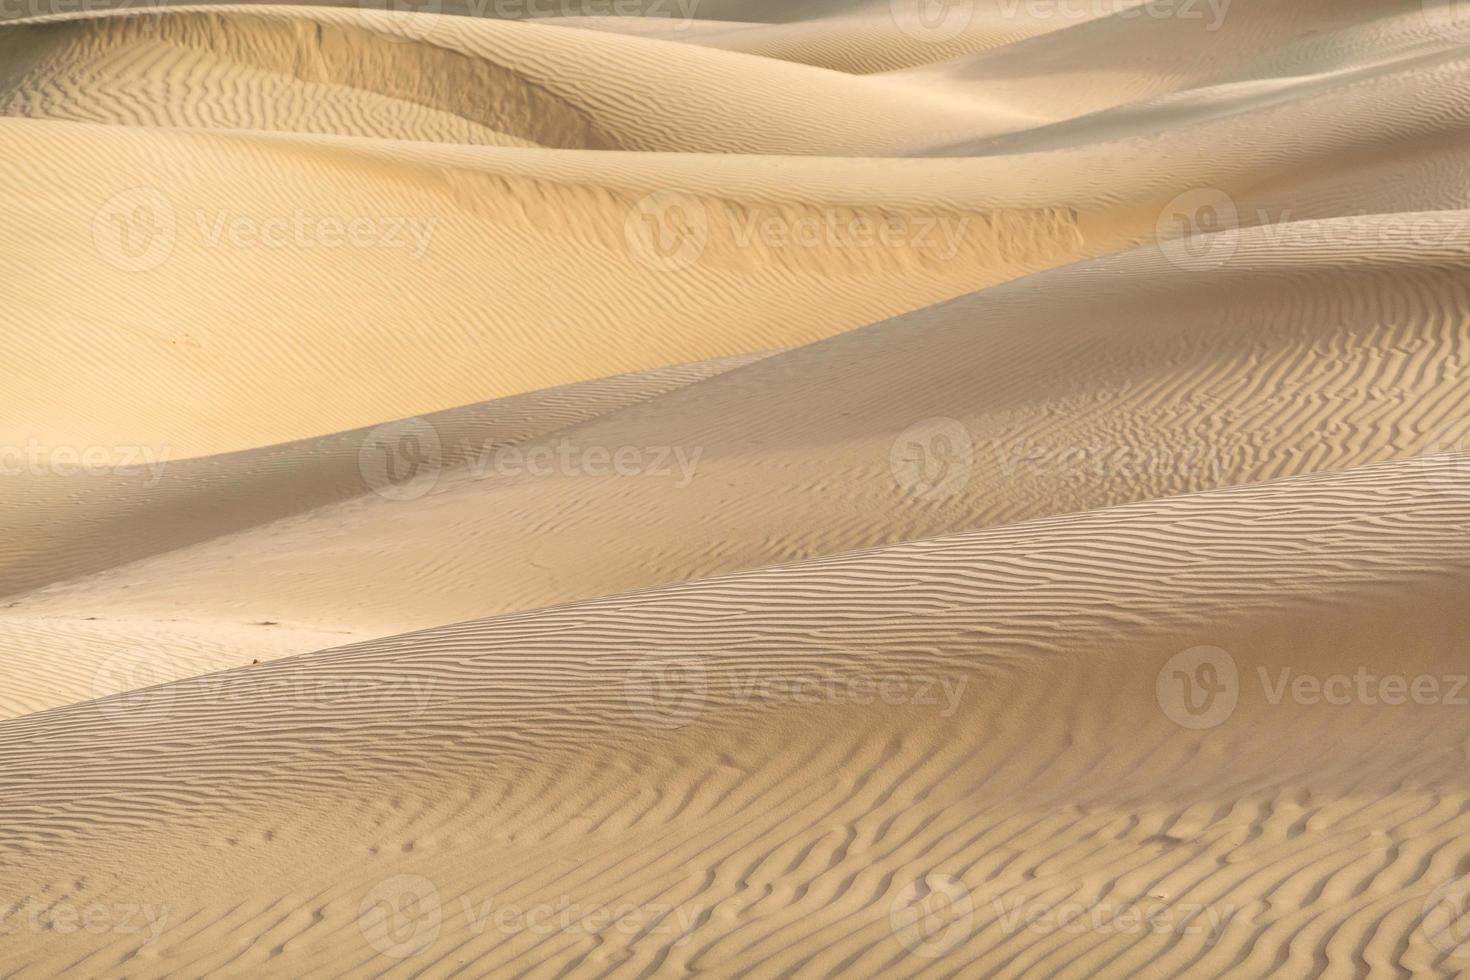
column 812, row 489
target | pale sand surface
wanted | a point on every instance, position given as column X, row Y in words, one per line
column 808, row 489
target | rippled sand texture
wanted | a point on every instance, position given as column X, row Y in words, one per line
column 823, row 488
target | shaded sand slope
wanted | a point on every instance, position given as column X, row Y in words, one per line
column 1311, row 347
column 62, row 525
column 698, row 754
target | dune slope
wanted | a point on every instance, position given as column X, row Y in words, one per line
column 826, row 488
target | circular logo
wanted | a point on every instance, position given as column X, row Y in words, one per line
column 932, row 915
column 135, row 230
column 1198, row 687
column 1199, row 230
column 1446, row 918
column 1445, row 461
column 401, row 915
column 666, row 690
column 932, row 459
column 130, row 686
column 401, row 460
column 402, row 20
column 932, row 21
column 667, row 231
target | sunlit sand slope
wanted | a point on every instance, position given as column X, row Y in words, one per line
column 748, row 488
column 1310, row 347
column 775, row 771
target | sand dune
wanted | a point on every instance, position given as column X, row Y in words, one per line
column 1318, row 347
column 736, row 759
column 741, row 488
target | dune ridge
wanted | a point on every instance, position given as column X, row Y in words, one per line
column 735, row 488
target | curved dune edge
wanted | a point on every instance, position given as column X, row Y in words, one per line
column 497, row 270
column 803, row 488
column 1311, row 348
column 791, row 826
column 60, row 528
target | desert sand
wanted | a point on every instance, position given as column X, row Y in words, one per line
column 726, row 487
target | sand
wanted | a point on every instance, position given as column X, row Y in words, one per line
column 810, row 489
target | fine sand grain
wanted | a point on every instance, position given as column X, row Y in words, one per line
column 807, row 489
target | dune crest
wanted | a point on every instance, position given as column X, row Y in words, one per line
column 585, row 488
